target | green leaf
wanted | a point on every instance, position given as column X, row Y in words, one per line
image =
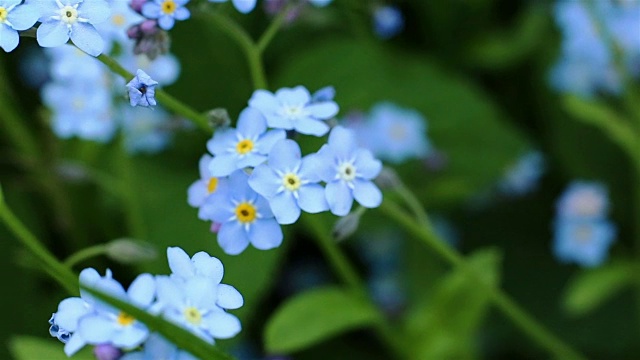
column 365, row 73
column 591, row 288
column 314, row 316
column 30, row 348
column 443, row 325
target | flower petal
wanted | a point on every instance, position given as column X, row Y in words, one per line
column 312, row 198
column 52, row 33
column 265, row 234
column 367, row 193
column 339, row 197
column 229, row 297
column 208, row 266
column 87, row 38
column 285, row 208
column 179, row 262
column 222, row 325
column 232, row 238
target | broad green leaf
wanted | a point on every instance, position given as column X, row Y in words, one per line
column 314, row 316
column 463, row 123
column 443, row 325
column 590, row 288
column 32, row 348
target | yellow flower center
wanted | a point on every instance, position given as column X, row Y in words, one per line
column 168, row 7
column 291, row 182
column 246, row 212
column 125, row 319
column 3, row 14
column 69, row 14
column 192, row 315
column 213, row 185
column 118, row 19
column 244, row 146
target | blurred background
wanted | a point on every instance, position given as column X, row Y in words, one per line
column 512, row 117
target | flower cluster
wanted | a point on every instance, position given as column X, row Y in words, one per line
column 587, row 64
column 583, row 233
column 191, row 297
column 392, row 133
column 249, row 208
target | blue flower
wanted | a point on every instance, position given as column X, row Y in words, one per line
column 14, row 17
column 114, row 30
column 524, row 175
column 244, row 216
column 387, row 21
column 108, row 325
column 320, row 3
column 142, row 90
column 246, row 146
column 583, row 200
column 73, row 19
column 157, row 347
column 166, row 11
column 348, row 171
column 585, row 242
column 244, row 6
column 292, row 109
column 289, row 183
column 145, row 131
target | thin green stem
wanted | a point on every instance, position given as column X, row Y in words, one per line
column 165, row 99
column 85, row 254
column 59, row 272
column 519, row 317
column 272, row 30
column 129, row 196
column 244, row 41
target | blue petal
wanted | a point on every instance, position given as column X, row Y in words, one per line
column 9, row 38
column 130, row 336
column 52, row 33
column 96, row 11
column 197, row 193
column 284, row 155
column 309, row 126
column 142, row 290
column 367, row 193
column 75, row 343
column 268, row 139
column 367, row 167
column 229, row 297
column 241, row 190
column 166, row 22
column 208, row 266
column 232, row 238
column 285, row 208
column 200, row 292
column 222, row 325
column 309, row 168
column 223, row 141
column 323, row 162
column 182, row 13
column 244, row 6
column 264, row 101
column 250, row 160
column 96, row 329
column 312, row 198
column 278, row 122
column 264, row 181
column 324, row 110
column 339, row 197
column 265, row 234
column 87, row 38
column 151, row 10
column 23, row 17
column 296, row 96
column 179, row 262
column 223, row 165
column 343, row 142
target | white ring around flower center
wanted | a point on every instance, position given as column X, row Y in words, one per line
column 346, row 171
column 68, row 15
column 293, row 112
column 291, row 182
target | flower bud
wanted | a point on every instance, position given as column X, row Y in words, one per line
column 387, row 179
column 129, row 251
column 347, row 225
column 218, row 117
column 107, row 352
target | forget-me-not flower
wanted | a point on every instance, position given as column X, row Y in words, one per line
column 72, row 19
column 244, row 6
column 524, row 175
column 348, row 171
column 289, row 183
column 142, row 89
column 292, row 109
column 585, row 242
column 15, row 17
column 166, row 11
column 246, row 146
column 387, row 21
column 145, row 131
column 244, row 216
column 582, row 200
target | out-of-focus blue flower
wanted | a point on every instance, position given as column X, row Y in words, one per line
column 15, row 17
column 394, row 134
column 164, row 69
column 142, row 90
column 387, row 21
column 107, row 352
column 157, row 347
column 201, row 189
column 145, row 131
column 245, row 217
column 244, row 6
column 166, row 11
column 246, row 146
column 292, row 109
column 289, row 183
column 114, row 29
column 327, row 93
column 71, row 65
column 585, row 242
column 524, row 175
column 108, row 325
column 348, row 171
column 73, row 19
column 583, row 200
column 320, row 3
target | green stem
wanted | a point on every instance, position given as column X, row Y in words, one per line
column 165, row 99
column 129, row 195
column 49, row 263
column 519, row 317
column 248, row 46
column 85, row 254
column 272, row 30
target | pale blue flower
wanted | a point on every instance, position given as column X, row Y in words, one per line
column 157, row 347
column 71, row 65
column 142, row 90
column 387, row 21
column 244, row 6
column 56, row 331
column 583, row 200
column 585, row 242
column 108, row 325
column 166, row 11
column 75, row 19
column 114, row 29
column 289, row 183
column 164, row 68
column 244, row 216
column 292, row 109
column 327, row 93
column 348, row 171
column 524, row 175
column 15, row 17
column 246, row 146
column 145, row 131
